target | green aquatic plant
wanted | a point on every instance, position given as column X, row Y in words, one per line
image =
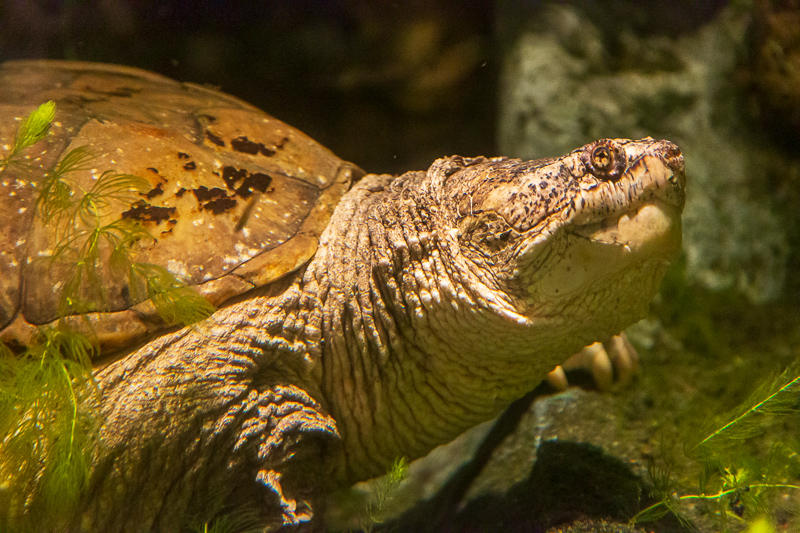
column 175, row 302
column 55, row 192
column 48, row 430
column 382, row 491
column 77, row 217
column 240, row 522
column 83, row 238
column 734, row 485
column 764, row 407
column 81, row 235
column 31, row 130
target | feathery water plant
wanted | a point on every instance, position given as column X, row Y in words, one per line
column 31, row 130
column 774, row 398
column 175, row 302
column 43, row 394
column 382, row 491
column 54, row 195
column 732, row 483
column 47, row 429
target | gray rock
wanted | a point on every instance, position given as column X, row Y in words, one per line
column 570, row 76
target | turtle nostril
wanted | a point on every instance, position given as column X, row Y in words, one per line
column 673, row 150
column 673, row 156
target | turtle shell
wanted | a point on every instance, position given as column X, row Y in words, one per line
column 235, row 199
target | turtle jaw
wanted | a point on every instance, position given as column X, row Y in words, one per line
column 593, row 258
column 653, row 228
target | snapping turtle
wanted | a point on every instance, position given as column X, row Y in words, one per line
column 362, row 319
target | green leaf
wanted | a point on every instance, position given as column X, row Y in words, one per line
column 108, row 188
column 56, row 193
column 76, row 159
column 48, row 429
column 34, row 128
column 31, row 130
column 175, row 302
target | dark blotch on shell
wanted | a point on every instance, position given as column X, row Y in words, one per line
column 220, row 205
column 182, row 155
column 250, row 182
column 203, row 193
column 155, row 191
column 144, row 212
column 231, row 175
column 246, row 146
column 191, row 165
column 215, row 139
column 258, row 181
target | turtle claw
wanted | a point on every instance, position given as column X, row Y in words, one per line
column 557, row 379
column 614, row 361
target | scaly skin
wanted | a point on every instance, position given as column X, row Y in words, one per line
column 434, row 300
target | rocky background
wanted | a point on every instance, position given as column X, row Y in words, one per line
column 393, row 85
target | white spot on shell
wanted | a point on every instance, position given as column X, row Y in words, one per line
column 244, row 253
column 178, row 268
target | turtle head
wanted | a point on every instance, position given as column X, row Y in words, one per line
column 571, row 237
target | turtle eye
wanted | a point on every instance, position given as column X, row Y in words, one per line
column 605, row 159
column 602, row 158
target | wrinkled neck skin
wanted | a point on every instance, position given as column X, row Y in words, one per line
column 420, row 341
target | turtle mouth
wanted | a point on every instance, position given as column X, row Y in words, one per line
column 624, row 253
column 653, row 224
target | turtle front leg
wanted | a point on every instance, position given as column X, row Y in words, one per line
column 210, row 420
column 609, row 362
column 284, row 429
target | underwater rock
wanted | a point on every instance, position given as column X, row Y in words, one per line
column 574, row 74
